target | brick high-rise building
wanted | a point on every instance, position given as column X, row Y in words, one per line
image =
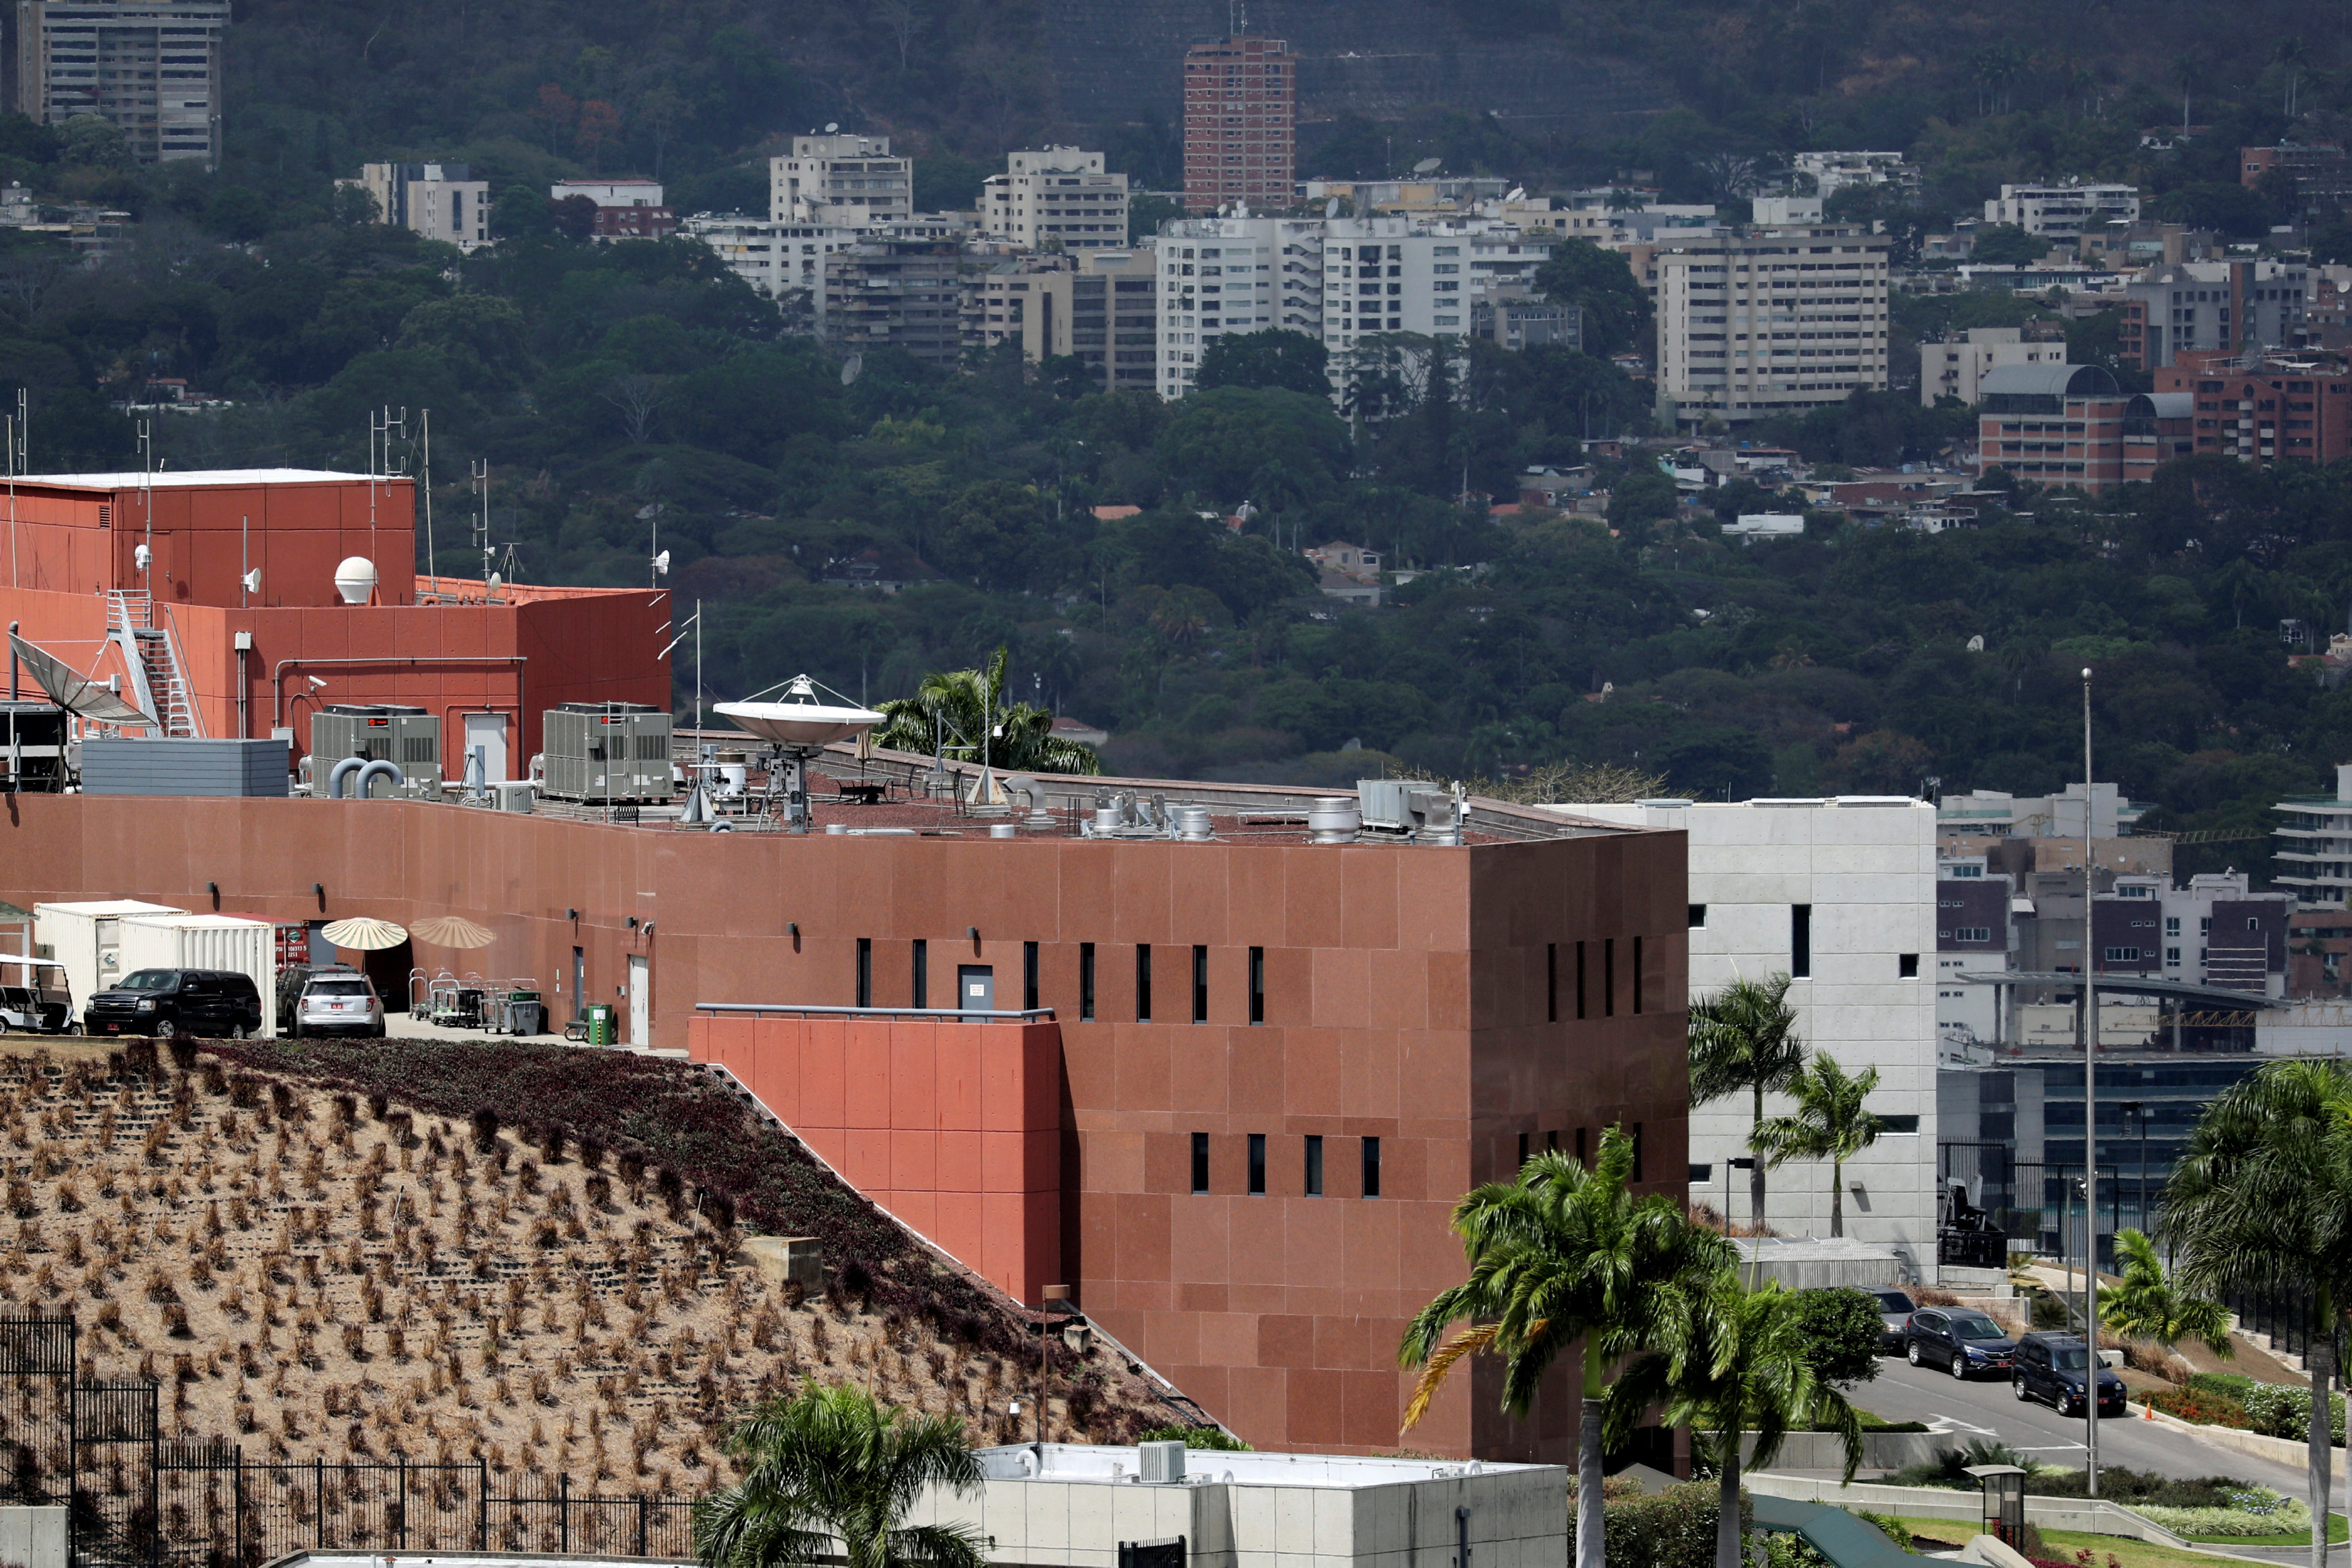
column 1241, row 124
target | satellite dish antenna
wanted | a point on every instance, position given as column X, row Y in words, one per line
column 141, row 557
column 850, row 367
column 1331, row 208
column 1429, row 166
column 831, row 126
column 252, row 580
column 661, row 563
column 1519, row 194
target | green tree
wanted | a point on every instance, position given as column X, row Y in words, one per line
column 831, row 1477
column 2263, row 1200
column 963, row 712
column 995, row 533
column 2150, row 1305
column 1560, row 1255
column 1843, row 1329
column 2007, row 245
column 1292, row 362
column 1744, row 1037
column 1734, row 1361
column 1617, row 310
column 1217, row 441
column 1146, row 214
column 1829, row 1124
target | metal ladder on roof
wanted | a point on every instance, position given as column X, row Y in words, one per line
column 159, row 677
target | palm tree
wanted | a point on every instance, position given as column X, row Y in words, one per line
column 829, row 1476
column 2262, row 1201
column 1563, row 1254
column 1736, row 1364
column 1745, row 1037
column 1830, row 1123
column 2150, row 1305
column 953, row 709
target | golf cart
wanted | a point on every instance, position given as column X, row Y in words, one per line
column 25, row 1009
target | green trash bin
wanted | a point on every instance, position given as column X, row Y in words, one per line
column 603, row 1029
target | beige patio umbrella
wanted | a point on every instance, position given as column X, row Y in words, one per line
column 451, row 931
column 364, row 934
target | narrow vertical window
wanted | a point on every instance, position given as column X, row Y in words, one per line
column 1637, row 1151
column 866, row 971
column 1200, row 984
column 1800, row 940
column 1143, row 983
column 1087, row 982
column 1200, row 1162
column 1523, row 1148
column 922, row 986
column 1551, row 1143
column 1609, row 978
column 1314, row 1165
column 1551, row 982
column 1257, row 1164
column 1579, row 980
column 1372, row 1167
column 1579, row 1148
column 1637, row 973
column 1029, row 976
column 1257, row 984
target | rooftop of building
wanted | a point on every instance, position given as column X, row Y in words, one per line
column 1112, row 1465
column 202, row 478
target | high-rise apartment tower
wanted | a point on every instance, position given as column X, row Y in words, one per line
column 151, row 67
column 1241, row 124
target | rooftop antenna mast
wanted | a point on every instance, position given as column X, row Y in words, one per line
column 480, row 471
column 382, row 427
column 147, row 496
column 426, row 416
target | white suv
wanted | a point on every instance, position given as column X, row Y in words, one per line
column 337, row 1003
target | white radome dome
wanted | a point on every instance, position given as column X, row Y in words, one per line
column 355, row 580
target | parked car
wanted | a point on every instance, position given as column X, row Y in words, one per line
column 1958, row 1339
column 1895, row 1310
column 2052, row 1367
column 214, row 1003
column 23, row 1010
column 338, row 1001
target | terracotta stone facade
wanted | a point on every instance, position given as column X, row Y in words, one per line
column 1460, row 1004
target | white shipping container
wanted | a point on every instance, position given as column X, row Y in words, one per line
column 87, row 938
column 207, row 942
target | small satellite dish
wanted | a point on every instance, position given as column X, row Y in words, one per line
column 1331, row 208
column 252, row 580
column 141, row 557
column 661, row 563
column 831, row 126
column 495, row 582
column 1519, row 194
column 850, row 367
column 1429, row 166
column 1976, row 644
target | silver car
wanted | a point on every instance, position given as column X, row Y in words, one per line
column 338, row 1004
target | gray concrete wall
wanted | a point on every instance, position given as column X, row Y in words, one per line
column 33, row 1537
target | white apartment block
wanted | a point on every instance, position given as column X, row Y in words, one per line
column 777, row 259
column 1840, row 894
column 1955, row 367
column 1834, row 172
column 2063, row 212
column 1234, row 275
column 1057, row 199
column 151, row 67
column 841, row 171
column 2314, row 857
column 1769, row 320
column 438, row 201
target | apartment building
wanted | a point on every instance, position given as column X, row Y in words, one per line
column 2290, row 405
column 153, row 68
column 1975, row 935
column 904, row 293
column 1769, row 320
column 2216, row 931
column 777, row 259
column 1834, row 172
column 2063, row 212
column 1235, row 274
column 2072, row 426
column 440, row 201
column 2321, row 170
column 854, row 177
column 2225, row 307
column 1241, row 125
column 625, row 209
column 1057, row 199
column 2314, row 857
column 1093, row 306
column 1842, row 896
column 1956, row 366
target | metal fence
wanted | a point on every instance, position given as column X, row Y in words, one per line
column 2035, row 1205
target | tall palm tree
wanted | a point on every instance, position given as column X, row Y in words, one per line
column 1830, row 1123
column 1563, row 1254
column 2263, row 1200
column 829, row 1476
column 1736, row 1364
column 2149, row 1304
column 954, row 709
column 1745, row 1037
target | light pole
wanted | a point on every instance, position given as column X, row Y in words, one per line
column 2090, row 1119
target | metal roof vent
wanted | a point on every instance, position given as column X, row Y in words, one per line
column 1192, row 824
column 1334, row 819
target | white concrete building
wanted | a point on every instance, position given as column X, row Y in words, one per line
column 1769, row 320
column 840, row 170
column 2314, row 857
column 1957, row 367
column 1079, row 1504
column 151, row 67
column 2063, row 212
column 1834, row 172
column 775, row 258
column 1060, row 198
column 440, row 201
column 1840, row 894
column 1234, row 275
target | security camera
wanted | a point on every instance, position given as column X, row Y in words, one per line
column 316, row 685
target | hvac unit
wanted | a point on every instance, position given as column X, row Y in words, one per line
column 1163, row 1463
column 601, row 752
column 408, row 737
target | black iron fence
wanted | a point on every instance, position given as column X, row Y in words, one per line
column 1994, row 1203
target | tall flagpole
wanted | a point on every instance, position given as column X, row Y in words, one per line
column 2090, row 1122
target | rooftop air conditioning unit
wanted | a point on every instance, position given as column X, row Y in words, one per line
column 1161, row 1462
column 607, row 752
column 386, row 732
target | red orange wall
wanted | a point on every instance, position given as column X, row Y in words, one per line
column 955, row 1128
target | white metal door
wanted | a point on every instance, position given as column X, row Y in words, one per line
column 488, row 731
column 641, row 1000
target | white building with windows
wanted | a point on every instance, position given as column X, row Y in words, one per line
column 153, row 68
column 1840, row 894
column 1957, row 366
column 440, row 201
column 777, row 259
column 1057, row 199
column 1769, row 320
column 2314, row 856
column 2063, row 212
column 843, row 179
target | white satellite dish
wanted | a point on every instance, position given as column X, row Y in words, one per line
column 252, row 580
column 1519, row 194
column 801, row 719
column 1331, row 208
column 140, row 556
column 1429, row 166
column 661, row 563
column 831, row 126
column 850, row 367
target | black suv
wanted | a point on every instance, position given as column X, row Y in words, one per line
column 2051, row 1367
column 1959, row 1340
column 214, row 1003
